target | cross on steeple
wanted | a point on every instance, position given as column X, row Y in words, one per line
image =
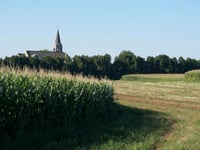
column 57, row 44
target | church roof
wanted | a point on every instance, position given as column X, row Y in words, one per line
column 57, row 41
column 42, row 54
column 57, row 50
column 57, row 44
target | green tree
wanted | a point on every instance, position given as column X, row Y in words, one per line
column 173, row 65
column 181, row 64
column 163, row 62
column 191, row 64
column 124, row 64
column 140, row 65
column 150, row 64
column 102, row 65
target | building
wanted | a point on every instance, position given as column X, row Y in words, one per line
column 57, row 50
column 58, row 44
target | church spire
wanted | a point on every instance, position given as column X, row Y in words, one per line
column 57, row 44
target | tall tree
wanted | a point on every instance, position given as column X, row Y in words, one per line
column 124, row 63
column 140, row 65
column 181, row 64
column 150, row 64
column 163, row 62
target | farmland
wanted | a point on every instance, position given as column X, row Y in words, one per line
column 179, row 100
column 153, row 111
column 34, row 102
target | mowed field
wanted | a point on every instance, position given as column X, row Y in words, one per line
column 168, row 98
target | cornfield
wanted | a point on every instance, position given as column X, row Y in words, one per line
column 193, row 75
column 41, row 101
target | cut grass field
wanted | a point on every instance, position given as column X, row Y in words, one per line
column 179, row 100
column 153, row 77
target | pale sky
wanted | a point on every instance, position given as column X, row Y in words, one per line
column 92, row 27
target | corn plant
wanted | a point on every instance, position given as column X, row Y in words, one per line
column 193, row 75
column 28, row 101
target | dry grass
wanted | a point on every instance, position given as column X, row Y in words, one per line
column 154, row 77
column 159, row 75
column 180, row 100
column 56, row 74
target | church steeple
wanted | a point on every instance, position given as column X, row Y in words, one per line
column 57, row 44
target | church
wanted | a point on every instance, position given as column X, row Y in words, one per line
column 57, row 50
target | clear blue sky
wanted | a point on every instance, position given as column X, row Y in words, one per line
column 91, row 27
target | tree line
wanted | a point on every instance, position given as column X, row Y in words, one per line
column 101, row 65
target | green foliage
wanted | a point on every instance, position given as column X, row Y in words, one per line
column 193, row 76
column 124, row 64
column 100, row 66
column 29, row 101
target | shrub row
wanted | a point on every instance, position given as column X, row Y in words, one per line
column 28, row 101
column 193, row 76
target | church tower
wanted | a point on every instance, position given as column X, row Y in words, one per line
column 57, row 44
